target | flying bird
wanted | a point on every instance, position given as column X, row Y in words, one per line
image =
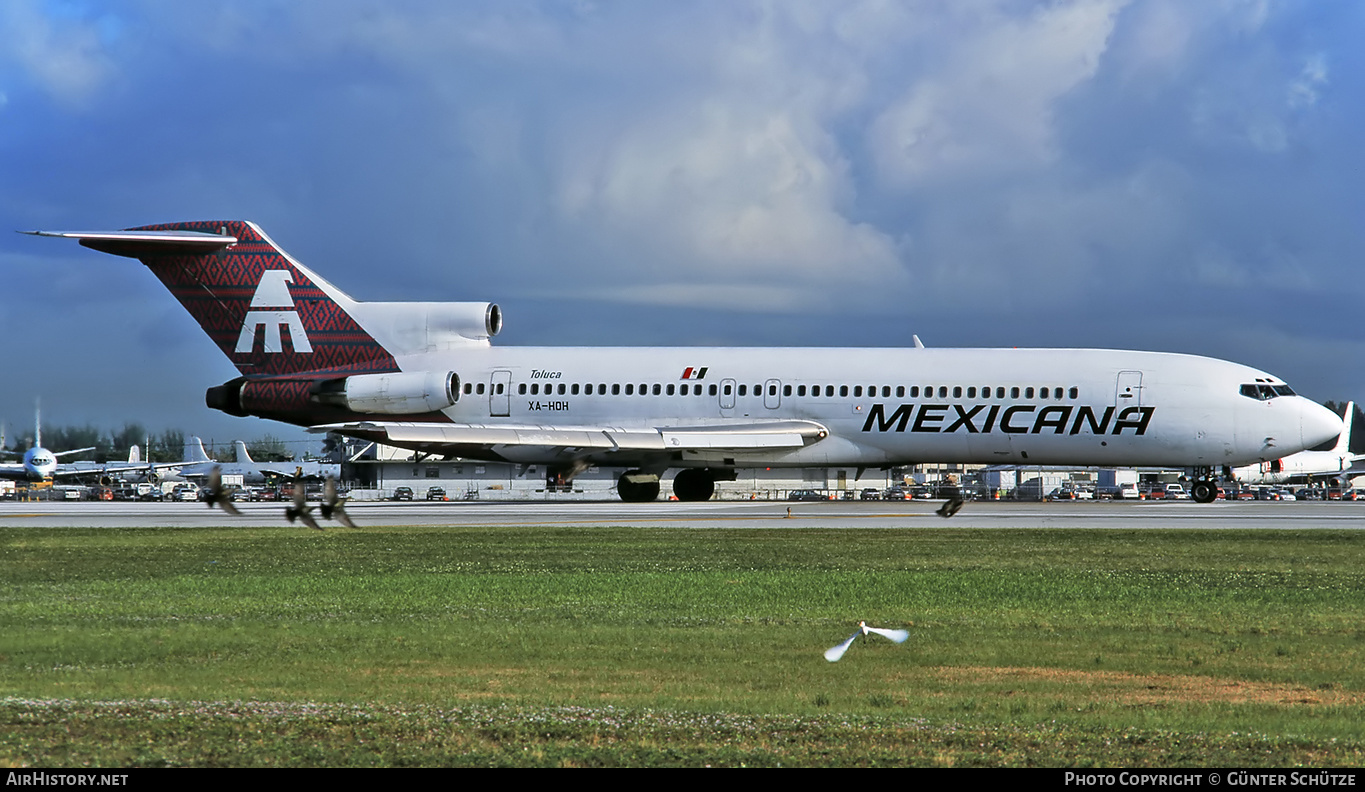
column 333, row 505
column 949, row 508
column 834, row 653
column 301, row 510
column 213, row 492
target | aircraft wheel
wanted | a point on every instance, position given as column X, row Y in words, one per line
column 694, row 485
column 637, row 492
column 1203, row 492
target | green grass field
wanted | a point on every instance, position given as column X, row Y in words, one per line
column 605, row 646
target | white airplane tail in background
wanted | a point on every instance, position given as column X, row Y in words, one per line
column 194, row 452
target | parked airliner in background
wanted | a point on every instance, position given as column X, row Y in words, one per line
column 198, row 465
column 1307, row 466
column 39, row 464
column 424, row 376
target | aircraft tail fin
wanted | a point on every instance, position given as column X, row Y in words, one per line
column 134, row 454
column 1344, row 440
column 269, row 314
column 242, row 456
column 194, row 451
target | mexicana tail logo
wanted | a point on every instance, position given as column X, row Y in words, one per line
column 272, row 307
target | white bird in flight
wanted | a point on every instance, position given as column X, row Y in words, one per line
column 834, row 653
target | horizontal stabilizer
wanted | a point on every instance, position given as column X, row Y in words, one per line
column 136, row 244
column 777, row 434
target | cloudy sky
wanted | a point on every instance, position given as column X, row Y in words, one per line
column 1147, row 174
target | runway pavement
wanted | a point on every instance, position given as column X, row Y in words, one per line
column 717, row 515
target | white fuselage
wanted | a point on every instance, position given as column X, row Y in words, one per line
column 893, row 406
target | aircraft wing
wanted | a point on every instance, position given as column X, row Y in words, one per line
column 13, row 472
column 452, row 437
column 114, row 467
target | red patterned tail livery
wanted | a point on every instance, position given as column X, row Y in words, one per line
column 269, row 314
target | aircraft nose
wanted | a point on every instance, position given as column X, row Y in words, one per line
column 1319, row 424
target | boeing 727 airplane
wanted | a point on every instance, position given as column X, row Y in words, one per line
column 425, row 376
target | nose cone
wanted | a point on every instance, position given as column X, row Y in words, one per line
column 1319, row 424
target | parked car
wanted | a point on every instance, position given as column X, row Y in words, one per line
column 806, row 495
column 402, row 493
column 436, row 493
column 870, row 494
column 896, row 493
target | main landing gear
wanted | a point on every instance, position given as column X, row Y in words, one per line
column 637, row 487
column 1204, row 485
column 691, row 484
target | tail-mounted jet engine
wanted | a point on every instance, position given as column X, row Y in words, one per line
column 310, row 400
column 399, row 393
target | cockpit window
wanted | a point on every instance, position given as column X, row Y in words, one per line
column 1262, row 392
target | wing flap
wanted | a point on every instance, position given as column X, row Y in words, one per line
column 777, row 434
